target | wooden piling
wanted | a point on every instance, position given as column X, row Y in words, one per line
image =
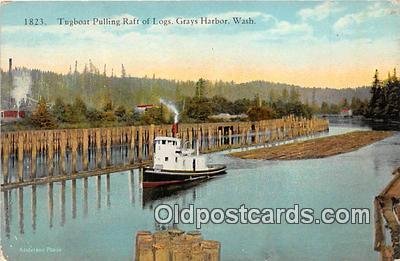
column 98, row 148
column 85, row 145
column 50, row 152
column 20, row 157
column 211, row 250
column 108, row 147
column 144, row 245
column 33, row 156
column 74, row 150
column 151, row 140
column 5, row 159
column 140, row 144
column 63, row 154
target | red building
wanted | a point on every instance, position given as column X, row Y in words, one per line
column 11, row 114
column 144, row 107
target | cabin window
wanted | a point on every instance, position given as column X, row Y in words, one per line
column 166, row 158
column 176, row 159
column 163, row 142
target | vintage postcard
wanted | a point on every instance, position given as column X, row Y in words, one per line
column 199, row 130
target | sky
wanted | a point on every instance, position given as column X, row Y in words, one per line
column 308, row 43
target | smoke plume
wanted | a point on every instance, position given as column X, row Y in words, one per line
column 22, row 83
column 172, row 107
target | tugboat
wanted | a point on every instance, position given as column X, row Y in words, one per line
column 173, row 163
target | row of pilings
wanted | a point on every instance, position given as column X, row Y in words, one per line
column 40, row 154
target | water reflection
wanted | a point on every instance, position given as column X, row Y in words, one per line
column 50, row 203
column 6, row 211
column 186, row 193
column 85, row 197
column 62, row 203
column 108, row 198
column 33, row 207
column 109, row 209
column 131, row 185
column 73, row 194
column 59, row 195
column 21, row 210
column 98, row 192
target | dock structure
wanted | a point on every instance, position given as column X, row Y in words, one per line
column 37, row 155
column 175, row 245
column 387, row 215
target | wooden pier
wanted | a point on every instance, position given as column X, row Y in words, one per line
column 175, row 245
column 49, row 155
column 387, row 215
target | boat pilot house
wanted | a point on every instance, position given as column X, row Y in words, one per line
column 170, row 155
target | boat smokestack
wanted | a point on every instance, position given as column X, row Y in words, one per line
column 174, row 129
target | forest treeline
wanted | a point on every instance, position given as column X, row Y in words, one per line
column 196, row 108
column 95, row 87
column 91, row 99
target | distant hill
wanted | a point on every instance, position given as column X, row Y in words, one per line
column 307, row 95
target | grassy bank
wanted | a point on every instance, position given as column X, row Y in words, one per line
column 316, row 148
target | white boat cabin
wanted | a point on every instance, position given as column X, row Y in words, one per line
column 170, row 154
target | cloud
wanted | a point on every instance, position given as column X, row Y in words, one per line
column 284, row 28
column 237, row 57
column 375, row 10
column 277, row 50
column 319, row 12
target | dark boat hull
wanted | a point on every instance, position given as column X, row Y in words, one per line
column 155, row 178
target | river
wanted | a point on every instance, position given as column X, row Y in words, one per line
column 97, row 218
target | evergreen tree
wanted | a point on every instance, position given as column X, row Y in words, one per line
column 385, row 99
column 79, row 106
column 123, row 72
column 285, row 95
column 120, row 113
column 375, row 93
column 41, row 117
column 294, row 96
column 392, row 108
column 257, row 113
column 58, row 110
column 201, row 88
column 324, row 108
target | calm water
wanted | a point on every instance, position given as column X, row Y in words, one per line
column 97, row 218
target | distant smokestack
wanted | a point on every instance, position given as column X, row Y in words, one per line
column 9, row 65
column 10, row 78
column 174, row 129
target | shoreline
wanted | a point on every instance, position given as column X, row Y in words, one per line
column 316, row 148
